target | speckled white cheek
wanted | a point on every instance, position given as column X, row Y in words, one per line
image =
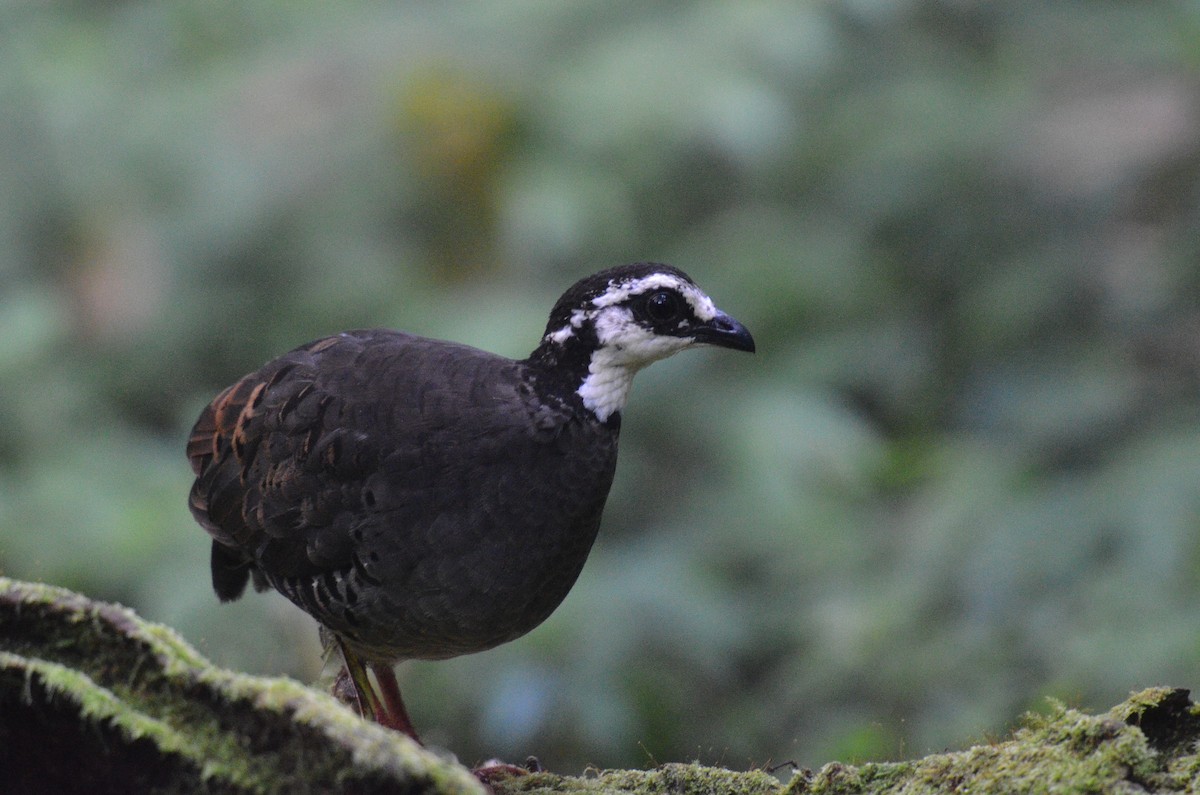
column 625, row 348
column 562, row 335
column 613, row 324
column 566, row 332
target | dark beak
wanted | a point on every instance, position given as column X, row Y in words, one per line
column 725, row 332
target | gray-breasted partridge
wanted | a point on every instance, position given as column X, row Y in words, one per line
column 423, row 499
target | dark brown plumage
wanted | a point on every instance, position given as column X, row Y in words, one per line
column 423, row 499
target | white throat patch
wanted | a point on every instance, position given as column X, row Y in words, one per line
column 625, row 348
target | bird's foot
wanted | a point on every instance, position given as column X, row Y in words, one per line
column 344, row 691
column 353, row 687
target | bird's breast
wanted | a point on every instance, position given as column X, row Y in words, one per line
column 496, row 548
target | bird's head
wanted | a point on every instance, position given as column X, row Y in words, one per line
column 608, row 326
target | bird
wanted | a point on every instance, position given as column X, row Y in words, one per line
column 423, row 499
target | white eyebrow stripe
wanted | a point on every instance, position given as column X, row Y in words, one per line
column 702, row 306
column 615, row 294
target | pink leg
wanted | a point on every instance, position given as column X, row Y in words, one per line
column 393, row 704
column 387, row 711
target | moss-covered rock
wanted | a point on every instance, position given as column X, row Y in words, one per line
column 94, row 699
column 672, row 779
column 1146, row 744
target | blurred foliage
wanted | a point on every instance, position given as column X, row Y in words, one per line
column 960, row 475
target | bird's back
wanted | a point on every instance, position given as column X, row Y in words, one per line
column 420, row 498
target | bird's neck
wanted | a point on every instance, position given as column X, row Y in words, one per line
column 595, row 378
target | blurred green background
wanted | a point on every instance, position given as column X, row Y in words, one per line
column 961, row 474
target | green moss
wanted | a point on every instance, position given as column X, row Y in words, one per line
column 693, row 779
column 77, row 670
column 95, row 703
column 1062, row 751
column 1146, row 743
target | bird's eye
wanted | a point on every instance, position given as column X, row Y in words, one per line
column 662, row 306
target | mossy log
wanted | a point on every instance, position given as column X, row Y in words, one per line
column 94, row 699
